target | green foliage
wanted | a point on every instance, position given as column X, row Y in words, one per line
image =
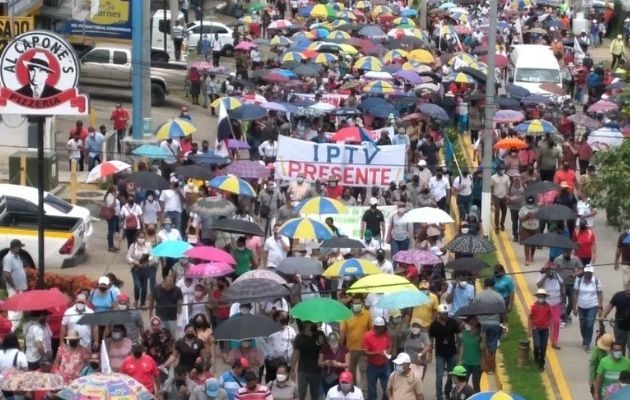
column 610, row 189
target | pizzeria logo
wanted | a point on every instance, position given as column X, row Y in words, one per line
column 39, row 73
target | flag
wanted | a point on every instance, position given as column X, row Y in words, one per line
column 224, row 127
column 365, row 136
column 578, row 53
column 106, row 367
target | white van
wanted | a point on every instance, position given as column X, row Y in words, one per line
column 532, row 65
column 161, row 31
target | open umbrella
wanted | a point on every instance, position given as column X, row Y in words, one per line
column 352, row 266
column 506, row 116
column 151, row 151
column 33, row 300
column 238, row 226
column 320, row 205
column 517, row 91
column 550, row 240
column 31, row 381
column 262, row 274
column 416, row 257
column 214, row 206
column 381, row 283
column 427, row 215
column 100, row 386
column 621, row 394
column 470, row 244
column 248, row 112
column 233, row 184
column 434, row 111
column 171, row 248
column 254, row 290
column 174, row 129
column 321, row 309
column 209, row 270
column 305, row 228
column 148, row 180
column 210, row 158
column 481, row 308
column 244, row 327
column 300, row 266
column 605, row 138
column 105, row 318
column 603, row 106
column 247, row 169
column 537, row 188
column 556, row 212
column 230, row 103
column 209, row 253
column 552, row 88
column 510, row 143
column 535, row 127
column 194, row 171
column 584, row 120
column 342, row 243
column 399, row 300
column 105, row 169
column 467, row 264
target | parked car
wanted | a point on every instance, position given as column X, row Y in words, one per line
column 195, row 34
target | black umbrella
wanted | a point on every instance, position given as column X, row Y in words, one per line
column 481, row 308
column 556, row 212
column 536, row 188
column 148, row 180
column 106, row 318
column 210, row 159
column 243, row 327
column 254, row 290
column 467, row 264
column 550, row 240
column 194, row 171
column 214, row 206
column 517, row 91
column 470, row 244
column 238, row 226
column 475, row 73
column 508, row 103
column 300, row 266
column 342, row 243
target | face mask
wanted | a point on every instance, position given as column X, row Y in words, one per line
column 357, row 308
column 345, row 386
column 167, row 227
column 80, row 307
column 467, row 327
column 284, row 321
column 425, row 291
column 617, row 354
column 190, row 336
column 281, row 377
column 540, row 300
column 462, row 284
column 333, row 343
column 141, row 241
column 415, row 331
column 400, row 369
column 401, row 211
column 198, row 293
column 465, row 230
column 150, row 198
column 137, row 353
column 116, row 335
column 300, row 180
column 73, row 343
column 332, row 184
column 396, row 320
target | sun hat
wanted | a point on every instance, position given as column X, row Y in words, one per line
column 605, row 342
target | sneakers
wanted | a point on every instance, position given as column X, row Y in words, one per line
column 563, row 325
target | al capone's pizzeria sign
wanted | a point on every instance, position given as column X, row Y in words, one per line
column 39, row 73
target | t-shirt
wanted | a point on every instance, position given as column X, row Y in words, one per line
column 380, row 344
column 335, row 393
column 231, row 383
column 188, row 353
column 172, row 201
column 275, row 251
column 439, row 187
column 471, row 347
column 540, row 314
column 309, row 347
column 426, row 312
column 373, row 220
column 621, row 302
column 35, row 333
column 243, row 259
column 166, row 302
column 354, row 329
column 405, row 387
column 587, row 296
column 12, row 358
column 567, row 267
column 444, row 336
column 489, row 296
column 462, row 394
column 623, row 244
column 143, row 369
column 12, row 264
column 260, row 393
column 585, row 239
column 70, row 318
column 610, row 369
column 504, row 286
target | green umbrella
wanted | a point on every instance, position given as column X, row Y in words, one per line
column 256, row 7
column 321, row 310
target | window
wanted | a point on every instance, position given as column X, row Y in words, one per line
column 120, row 58
column 97, row 56
column 57, row 203
column 164, row 26
column 534, row 75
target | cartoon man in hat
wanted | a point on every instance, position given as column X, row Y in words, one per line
column 38, row 73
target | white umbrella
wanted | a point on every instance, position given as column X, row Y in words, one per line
column 106, row 169
column 379, row 75
column 321, row 106
column 427, row 215
column 605, row 138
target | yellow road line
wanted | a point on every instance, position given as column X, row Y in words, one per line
column 33, row 232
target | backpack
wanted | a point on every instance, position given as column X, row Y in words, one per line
column 596, row 284
column 131, row 222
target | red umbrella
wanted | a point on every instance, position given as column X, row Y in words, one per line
column 349, row 134
column 274, row 78
column 33, row 300
column 209, row 253
column 500, row 61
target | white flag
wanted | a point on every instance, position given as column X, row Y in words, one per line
column 578, row 53
column 106, row 367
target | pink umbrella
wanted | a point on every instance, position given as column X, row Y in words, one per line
column 245, row 45
column 603, row 106
column 209, row 253
column 505, row 116
column 201, row 65
column 417, row 257
column 237, row 144
column 209, row 270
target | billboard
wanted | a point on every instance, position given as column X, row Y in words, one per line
column 110, row 20
column 12, row 27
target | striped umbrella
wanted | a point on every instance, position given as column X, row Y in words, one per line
column 301, row 35
column 362, row 5
column 347, row 15
column 500, row 395
column 337, row 6
column 230, row 103
column 535, row 127
column 233, row 184
column 421, row 55
column 280, row 40
column 338, row 35
column 325, row 58
column 404, row 21
column 394, row 54
column 321, row 205
column 379, row 87
column 323, row 11
column 280, row 24
column 305, row 228
column 460, row 77
column 381, row 10
column 368, row 63
column 292, row 56
column 461, row 59
column 338, row 23
column 352, row 266
column 319, row 33
column 175, row 128
column 105, row 169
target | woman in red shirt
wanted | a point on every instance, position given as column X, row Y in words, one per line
column 587, row 242
column 539, row 325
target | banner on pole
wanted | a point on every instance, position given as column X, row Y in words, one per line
column 365, row 165
column 334, row 99
column 349, row 224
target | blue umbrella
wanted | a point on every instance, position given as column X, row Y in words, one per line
column 509, row 103
column 536, row 99
column 398, row 300
column 621, row 394
column 291, row 108
column 248, row 112
column 306, row 11
column 284, row 72
column 171, row 249
column 372, row 31
column 434, row 111
column 410, row 13
column 150, row 151
column 373, row 102
column 517, row 91
column 616, row 85
column 495, row 395
column 210, row 159
column 382, row 112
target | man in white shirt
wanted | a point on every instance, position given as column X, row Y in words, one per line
column 370, row 302
column 385, row 265
column 171, row 201
column 585, row 211
column 345, row 390
column 275, row 249
column 440, row 189
column 75, row 147
column 37, row 339
column 168, row 234
column 172, row 148
column 70, row 318
column 268, row 150
column 462, row 186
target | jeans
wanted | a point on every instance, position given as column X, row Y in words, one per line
column 375, row 373
column 475, row 371
column 463, row 205
column 130, row 235
column 514, row 218
column 112, row 226
column 493, row 333
column 540, row 338
column 93, row 162
column 566, row 316
column 444, row 365
column 594, row 39
column 358, row 361
column 141, row 277
column 311, row 381
column 587, row 322
column 399, row 245
column 176, row 219
column 500, row 211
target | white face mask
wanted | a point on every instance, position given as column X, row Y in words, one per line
column 141, row 241
column 245, row 310
column 467, row 327
column 300, row 180
column 415, row 331
column 80, row 306
column 462, row 284
column 281, row 377
column 357, row 307
column 123, row 306
column 465, row 230
column 400, row 369
column 541, row 300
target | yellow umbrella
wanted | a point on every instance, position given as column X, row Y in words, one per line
column 230, row 103
column 352, row 266
column 421, row 55
column 394, row 54
column 382, row 283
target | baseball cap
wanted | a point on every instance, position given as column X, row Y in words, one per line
column 443, row 308
column 564, row 184
column 80, row 298
column 402, row 358
column 459, row 371
column 212, row 387
column 422, row 163
column 373, row 201
column 379, row 321
column 103, row 280
column 16, row 242
column 589, row 268
column 345, row 377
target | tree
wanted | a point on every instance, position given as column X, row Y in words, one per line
column 610, row 188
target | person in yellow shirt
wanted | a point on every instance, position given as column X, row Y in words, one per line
column 352, row 332
column 426, row 313
column 616, row 49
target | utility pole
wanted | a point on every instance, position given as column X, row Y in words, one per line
column 486, row 196
column 140, row 66
column 423, row 15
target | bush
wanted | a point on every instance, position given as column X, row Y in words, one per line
column 69, row 285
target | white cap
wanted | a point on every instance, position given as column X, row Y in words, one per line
column 589, row 268
column 541, row 292
column 422, row 163
column 444, row 308
column 373, row 201
column 103, row 280
column 402, row 358
column 378, row 321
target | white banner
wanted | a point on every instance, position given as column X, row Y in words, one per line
column 365, row 165
column 334, row 99
column 349, row 224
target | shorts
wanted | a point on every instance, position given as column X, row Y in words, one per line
column 525, row 233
